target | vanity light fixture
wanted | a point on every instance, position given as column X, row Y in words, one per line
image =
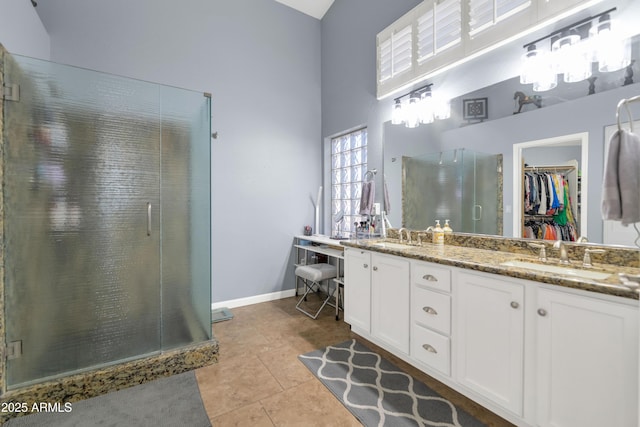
column 397, row 116
column 572, row 51
column 422, row 107
column 611, row 49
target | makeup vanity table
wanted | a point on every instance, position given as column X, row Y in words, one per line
column 310, row 248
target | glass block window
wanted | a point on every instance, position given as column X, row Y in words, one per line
column 348, row 167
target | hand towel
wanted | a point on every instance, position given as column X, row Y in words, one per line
column 367, row 197
column 621, row 183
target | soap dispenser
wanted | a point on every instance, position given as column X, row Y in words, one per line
column 438, row 234
column 447, row 228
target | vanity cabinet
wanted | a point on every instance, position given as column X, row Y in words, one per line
column 357, row 292
column 534, row 353
column 390, row 300
column 490, row 338
column 586, row 361
column 431, row 315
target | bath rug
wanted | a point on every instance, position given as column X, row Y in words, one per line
column 378, row 393
column 220, row 314
column 171, row 401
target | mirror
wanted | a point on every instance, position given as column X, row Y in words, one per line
column 563, row 113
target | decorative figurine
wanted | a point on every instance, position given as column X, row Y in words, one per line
column 523, row 99
column 592, row 84
column 628, row 74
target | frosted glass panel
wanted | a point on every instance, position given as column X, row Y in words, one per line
column 186, row 283
column 92, row 163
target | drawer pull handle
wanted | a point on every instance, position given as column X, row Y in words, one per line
column 542, row 312
column 375, row 268
column 514, row 304
column 430, row 310
column 430, row 277
column 429, row 348
column 366, row 265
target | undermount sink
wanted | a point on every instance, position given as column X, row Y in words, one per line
column 390, row 245
column 558, row 269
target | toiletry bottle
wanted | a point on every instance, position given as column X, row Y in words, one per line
column 438, row 234
column 447, row 228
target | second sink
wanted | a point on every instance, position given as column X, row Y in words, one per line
column 390, row 245
column 557, row 269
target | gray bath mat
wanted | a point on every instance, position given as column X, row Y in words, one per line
column 220, row 314
column 171, row 401
column 378, row 393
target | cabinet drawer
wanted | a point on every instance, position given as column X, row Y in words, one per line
column 430, row 275
column 431, row 348
column 431, row 309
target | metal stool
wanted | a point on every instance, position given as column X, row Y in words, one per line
column 312, row 275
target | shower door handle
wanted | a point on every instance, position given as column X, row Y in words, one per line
column 149, row 219
column 477, row 212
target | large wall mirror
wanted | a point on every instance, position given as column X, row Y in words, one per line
column 567, row 129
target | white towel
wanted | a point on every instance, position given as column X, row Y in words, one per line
column 621, row 183
column 367, row 197
column 387, row 203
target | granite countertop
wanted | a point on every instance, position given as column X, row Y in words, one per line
column 490, row 261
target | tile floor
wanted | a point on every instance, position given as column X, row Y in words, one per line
column 260, row 382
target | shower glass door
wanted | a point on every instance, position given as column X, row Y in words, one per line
column 82, row 219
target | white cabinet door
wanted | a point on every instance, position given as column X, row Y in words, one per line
column 357, row 288
column 489, row 315
column 390, row 300
column 587, row 361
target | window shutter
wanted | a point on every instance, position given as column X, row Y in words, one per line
column 480, row 15
column 485, row 13
column 448, row 23
column 401, row 47
column 506, row 8
column 384, row 60
column 426, row 36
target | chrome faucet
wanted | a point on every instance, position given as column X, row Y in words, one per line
column 586, row 261
column 407, row 232
column 542, row 256
column 564, row 257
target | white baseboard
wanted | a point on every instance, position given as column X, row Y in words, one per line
column 240, row 302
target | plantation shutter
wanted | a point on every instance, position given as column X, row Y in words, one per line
column 485, row 13
column 401, row 50
column 384, row 60
column 426, row 36
column 448, row 23
column 439, row 28
column 394, row 54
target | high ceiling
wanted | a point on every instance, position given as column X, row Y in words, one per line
column 315, row 8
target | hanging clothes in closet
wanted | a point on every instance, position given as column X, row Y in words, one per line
column 548, row 208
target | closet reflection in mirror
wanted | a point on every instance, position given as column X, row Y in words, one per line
column 549, row 188
column 462, row 186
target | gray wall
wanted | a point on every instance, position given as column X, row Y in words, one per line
column 21, row 30
column 349, row 32
column 261, row 62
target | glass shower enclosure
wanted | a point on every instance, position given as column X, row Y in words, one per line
column 460, row 185
column 106, row 219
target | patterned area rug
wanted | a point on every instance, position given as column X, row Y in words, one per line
column 378, row 393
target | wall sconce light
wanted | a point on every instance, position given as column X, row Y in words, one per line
column 422, row 107
column 572, row 51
